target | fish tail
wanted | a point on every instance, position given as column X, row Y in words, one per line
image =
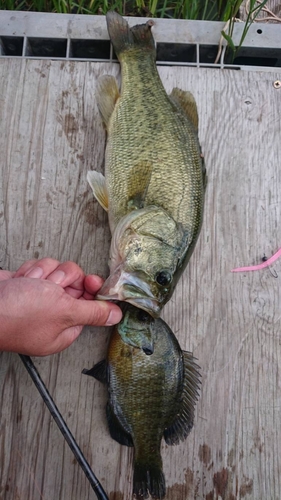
column 148, row 479
column 124, row 38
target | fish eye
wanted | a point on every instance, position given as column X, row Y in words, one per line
column 147, row 351
column 163, row 278
column 143, row 316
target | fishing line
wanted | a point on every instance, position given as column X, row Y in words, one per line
column 48, row 400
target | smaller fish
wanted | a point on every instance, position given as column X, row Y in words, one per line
column 153, row 388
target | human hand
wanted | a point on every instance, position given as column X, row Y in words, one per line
column 45, row 304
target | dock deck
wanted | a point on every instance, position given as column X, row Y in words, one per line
column 50, row 136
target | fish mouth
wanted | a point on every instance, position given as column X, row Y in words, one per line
column 128, row 287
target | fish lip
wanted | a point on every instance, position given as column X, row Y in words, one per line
column 148, row 305
column 128, row 287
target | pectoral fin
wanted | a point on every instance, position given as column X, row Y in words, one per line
column 97, row 183
column 107, row 93
column 99, row 371
column 187, row 103
column 183, row 423
column 138, row 184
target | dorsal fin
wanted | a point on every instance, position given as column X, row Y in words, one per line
column 185, row 100
column 183, row 423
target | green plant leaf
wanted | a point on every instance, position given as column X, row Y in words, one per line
column 229, row 40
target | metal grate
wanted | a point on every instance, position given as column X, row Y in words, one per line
column 85, row 38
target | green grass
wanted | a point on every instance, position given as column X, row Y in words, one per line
column 212, row 10
column 252, row 14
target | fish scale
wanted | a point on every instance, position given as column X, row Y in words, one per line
column 175, row 145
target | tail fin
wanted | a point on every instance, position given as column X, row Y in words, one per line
column 148, row 479
column 124, row 38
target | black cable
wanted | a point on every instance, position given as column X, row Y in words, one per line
column 48, row 400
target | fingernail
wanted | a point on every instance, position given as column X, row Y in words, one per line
column 114, row 317
column 57, row 277
column 36, row 272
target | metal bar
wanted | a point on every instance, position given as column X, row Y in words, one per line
column 48, row 400
column 76, row 26
column 197, row 55
column 261, row 49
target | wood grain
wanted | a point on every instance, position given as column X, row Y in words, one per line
column 50, row 135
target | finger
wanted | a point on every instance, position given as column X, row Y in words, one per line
column 76, row 294
column 6, row 275
column 64, row 274
column 68, row 274
column 92, row 283
column 88, row 296
column 95, row 313
column 24, row 268
column 38, row 268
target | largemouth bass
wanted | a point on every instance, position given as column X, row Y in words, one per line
column 152, row 393
column 154, row 175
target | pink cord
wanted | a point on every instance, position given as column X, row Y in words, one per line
column 259, row 266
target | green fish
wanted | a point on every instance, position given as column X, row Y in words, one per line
column 153, row 388
column 154, row 181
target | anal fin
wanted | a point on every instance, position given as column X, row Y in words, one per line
column 97, row 183
column 116, row 430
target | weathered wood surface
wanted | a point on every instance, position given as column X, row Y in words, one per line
column 50, row 135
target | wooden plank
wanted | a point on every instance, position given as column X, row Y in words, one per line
column 50, row 135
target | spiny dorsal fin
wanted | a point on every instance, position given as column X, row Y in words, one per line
column 97, row 183
column 123, row 38
column 107, row 93
column 99, row 371
column 186, row 102
column 183, row 423
column 115, row 428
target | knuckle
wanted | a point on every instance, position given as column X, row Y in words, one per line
column 48, row 262
column 100, row 313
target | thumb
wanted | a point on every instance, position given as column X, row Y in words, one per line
column 95, row 313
